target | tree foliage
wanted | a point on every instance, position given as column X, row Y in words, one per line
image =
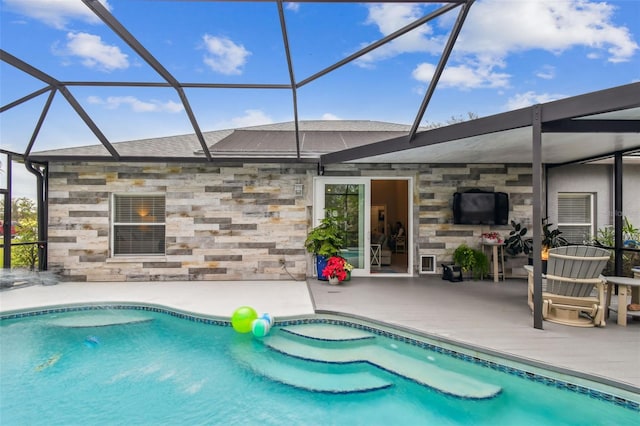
column 24, row 215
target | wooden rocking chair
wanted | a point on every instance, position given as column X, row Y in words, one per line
column 573, row 287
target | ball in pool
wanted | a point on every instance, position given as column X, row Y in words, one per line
column 242, row 319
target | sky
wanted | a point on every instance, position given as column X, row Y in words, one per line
column 509, row 54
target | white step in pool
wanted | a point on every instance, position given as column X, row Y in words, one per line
column 280, row 370
column 328, row 332
column 420, row 371
column 94, row 319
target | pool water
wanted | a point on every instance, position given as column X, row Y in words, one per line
column 74, row 368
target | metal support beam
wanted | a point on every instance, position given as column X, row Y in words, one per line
column 42, row 203
column 88, row 121
column 592, row 126
column 25, row 98
column 536, row 147
column 101, row 12
column 43, row 115
column 292, row 78
column 455, row 31
column 618, row 214
column 382, row 41
column 6, row 220
column 42, row 76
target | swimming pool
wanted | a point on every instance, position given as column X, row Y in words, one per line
column 125, row 364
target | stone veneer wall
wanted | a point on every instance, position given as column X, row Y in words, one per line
column 223, row 222
column 434, row 185
column 239, row 221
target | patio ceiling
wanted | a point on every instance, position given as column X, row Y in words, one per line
column 581, row 128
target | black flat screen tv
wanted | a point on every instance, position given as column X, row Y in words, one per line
column 477, row 207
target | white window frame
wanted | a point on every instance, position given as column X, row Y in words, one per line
column 113, row 224
column 591, row 206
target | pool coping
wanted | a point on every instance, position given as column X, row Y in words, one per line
column 593, row 386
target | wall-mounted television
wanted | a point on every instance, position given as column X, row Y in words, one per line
column 476, row 207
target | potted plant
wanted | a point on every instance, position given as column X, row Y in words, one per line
column 492, row 238
column 471, row 260
column 518, row 242
column 550, row 238
column 336, row 270
column 325, row 240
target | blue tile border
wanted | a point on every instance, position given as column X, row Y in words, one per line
column 545, row 380
column 180, row 315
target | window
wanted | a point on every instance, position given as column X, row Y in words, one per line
column 576, row 216
column 138, row 224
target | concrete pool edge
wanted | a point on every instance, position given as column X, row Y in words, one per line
column 593, row 386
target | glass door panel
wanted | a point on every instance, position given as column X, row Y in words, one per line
column 349, row 198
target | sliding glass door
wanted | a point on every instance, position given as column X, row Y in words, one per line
column 350, row 198
column 370, row 207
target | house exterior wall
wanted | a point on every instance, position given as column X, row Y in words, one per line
column 239, row 221
column 223, row 222
column 596, row 179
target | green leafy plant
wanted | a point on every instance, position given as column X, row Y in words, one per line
column 551, row 237
column 605, row 237
column 471, row 260
column 326, row 239
column 630, row 235
column 518, row 242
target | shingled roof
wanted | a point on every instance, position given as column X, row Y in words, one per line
column 276, row 140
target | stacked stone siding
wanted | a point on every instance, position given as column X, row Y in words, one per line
column 241, row 221
column 437, row 234
column 223, row 222
column 434, row 185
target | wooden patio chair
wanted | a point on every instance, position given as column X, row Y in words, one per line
column 573, row 287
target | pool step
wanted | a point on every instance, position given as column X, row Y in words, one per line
column 94, row 319
column 421, row 371
column 277, row 369
column 327, row 332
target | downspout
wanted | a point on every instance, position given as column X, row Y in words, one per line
column 42, row 204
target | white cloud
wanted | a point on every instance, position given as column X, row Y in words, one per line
column 136, row 105
column 550, row 25
column 390, row 18
column 526, row 99
column 251, row 117
column 462, row 76
column 329, row 116
column 294, row 7
column 95, row 53
column 223, row 55
column 546, row 72
column 496, row 29
column 55, row 13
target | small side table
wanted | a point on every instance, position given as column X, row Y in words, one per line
column 625, row 286
column 376, row 252
column 497, row 259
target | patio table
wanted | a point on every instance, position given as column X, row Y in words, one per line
column 626, row 286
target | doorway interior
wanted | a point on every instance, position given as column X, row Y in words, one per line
column 371, row 208
column 391, row 197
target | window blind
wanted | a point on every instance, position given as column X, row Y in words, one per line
column 139, row 225
column 575, row 216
